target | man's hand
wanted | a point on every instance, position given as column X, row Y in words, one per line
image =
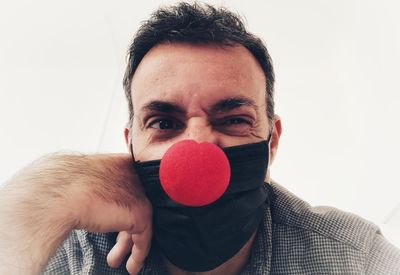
column 136, row 244
column 58, row 193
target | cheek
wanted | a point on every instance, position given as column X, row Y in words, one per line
column 146, row 152
column 264, row 126
column 143, row 147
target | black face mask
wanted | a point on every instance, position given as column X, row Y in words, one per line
column 202, row 238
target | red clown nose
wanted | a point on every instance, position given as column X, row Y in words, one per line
column 194, row 174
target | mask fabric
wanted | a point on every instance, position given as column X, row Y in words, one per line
column 202, row 238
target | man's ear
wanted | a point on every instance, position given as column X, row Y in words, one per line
column 275, row 136
column 127, row 137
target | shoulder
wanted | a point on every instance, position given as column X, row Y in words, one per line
column 329, row 240
column 291, row 211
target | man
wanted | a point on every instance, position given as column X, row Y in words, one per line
column 194, row 73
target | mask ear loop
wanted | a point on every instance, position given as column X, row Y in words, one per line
column 269, row 150
column 133, row 158
column 270, row 136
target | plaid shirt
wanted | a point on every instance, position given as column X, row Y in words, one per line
column 294, row 238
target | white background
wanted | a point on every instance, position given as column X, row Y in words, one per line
column 337, row 91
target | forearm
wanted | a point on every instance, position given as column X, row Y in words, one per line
column 25, row 247
column 44, row 202
column 34, row 217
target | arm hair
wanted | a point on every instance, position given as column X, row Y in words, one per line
column 41, row 204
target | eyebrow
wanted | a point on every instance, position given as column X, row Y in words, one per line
column 232, row 103
column 223, row 105
column 163, row 107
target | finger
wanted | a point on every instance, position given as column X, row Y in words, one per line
column 122, row 248
column 140, row 250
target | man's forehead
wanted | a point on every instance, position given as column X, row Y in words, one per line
column 174, row 71
column 175, row 55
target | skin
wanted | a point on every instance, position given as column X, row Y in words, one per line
column 194, row 81
column 57, row 193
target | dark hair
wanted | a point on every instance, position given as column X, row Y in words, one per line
column 197, row 24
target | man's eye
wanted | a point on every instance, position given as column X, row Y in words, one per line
column 165, row 124
column 234, row 125
column 237, row 120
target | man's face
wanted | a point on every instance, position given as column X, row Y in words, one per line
column 199, row 92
